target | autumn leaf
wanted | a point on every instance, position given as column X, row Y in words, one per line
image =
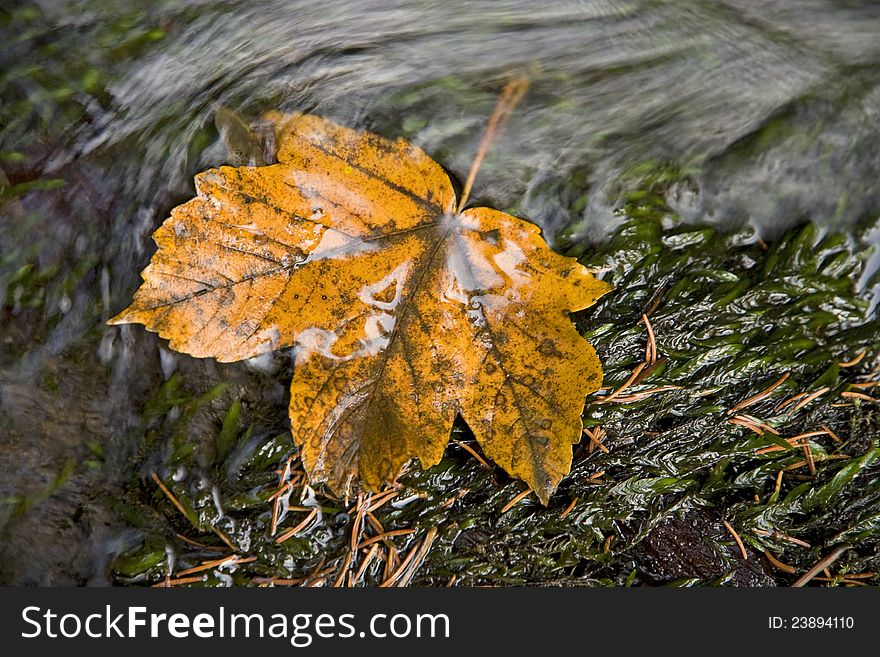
column 402, row 312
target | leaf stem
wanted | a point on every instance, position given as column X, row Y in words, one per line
column 510, row 97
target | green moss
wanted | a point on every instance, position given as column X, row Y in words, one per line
column 731, row 317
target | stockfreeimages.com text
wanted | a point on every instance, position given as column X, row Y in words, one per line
column 300, row 629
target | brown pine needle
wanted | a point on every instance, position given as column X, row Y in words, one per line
column 410, row 558
column 374, row 523
column 283, row 486
column 772, row 448
column 742, row 548
column 419, row 559
column 790, row 539
column 808, row 434
column 790, row 400
column 783, row 537
column 794, row 441
column 193, row 542
column 806, row 400
column 860, row 575
column 865, row 384
column 753, row 423
column 470, row 450
column 278, row 581
column 644, row 394
column 760, row 424
column 626, row 384
column 596, row 440
column 385, row 536
column 833, row 435
column 741, row 421
column 169, row 495
column 381, row 499
column 228, row 561
column 391, row 561
column 649, row 368
column 827, row 457
column 282, row 490
column 860, row 395
column 507, row 507
column 855, row 361
column 223, row 537
column 357, row 524
column 510, row 97
column 821, row 565
column 317, row 577
column 778, row 486
column 779, row 565
column 179, row 582
column 840, row 579
column 651, row 346
column 365, row 564
column 294, row 530
column 568, row 508
column 340, row 579
column 754, row 399
column 811, row 464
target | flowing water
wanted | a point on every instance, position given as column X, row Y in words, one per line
column 764, row 113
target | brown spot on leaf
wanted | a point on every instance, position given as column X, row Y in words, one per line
column 548, row 348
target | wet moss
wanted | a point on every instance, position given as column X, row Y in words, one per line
column 681, row 453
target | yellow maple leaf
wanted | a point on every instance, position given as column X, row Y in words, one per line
column 402, row 311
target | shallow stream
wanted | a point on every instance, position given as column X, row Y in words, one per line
column 750, row 113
